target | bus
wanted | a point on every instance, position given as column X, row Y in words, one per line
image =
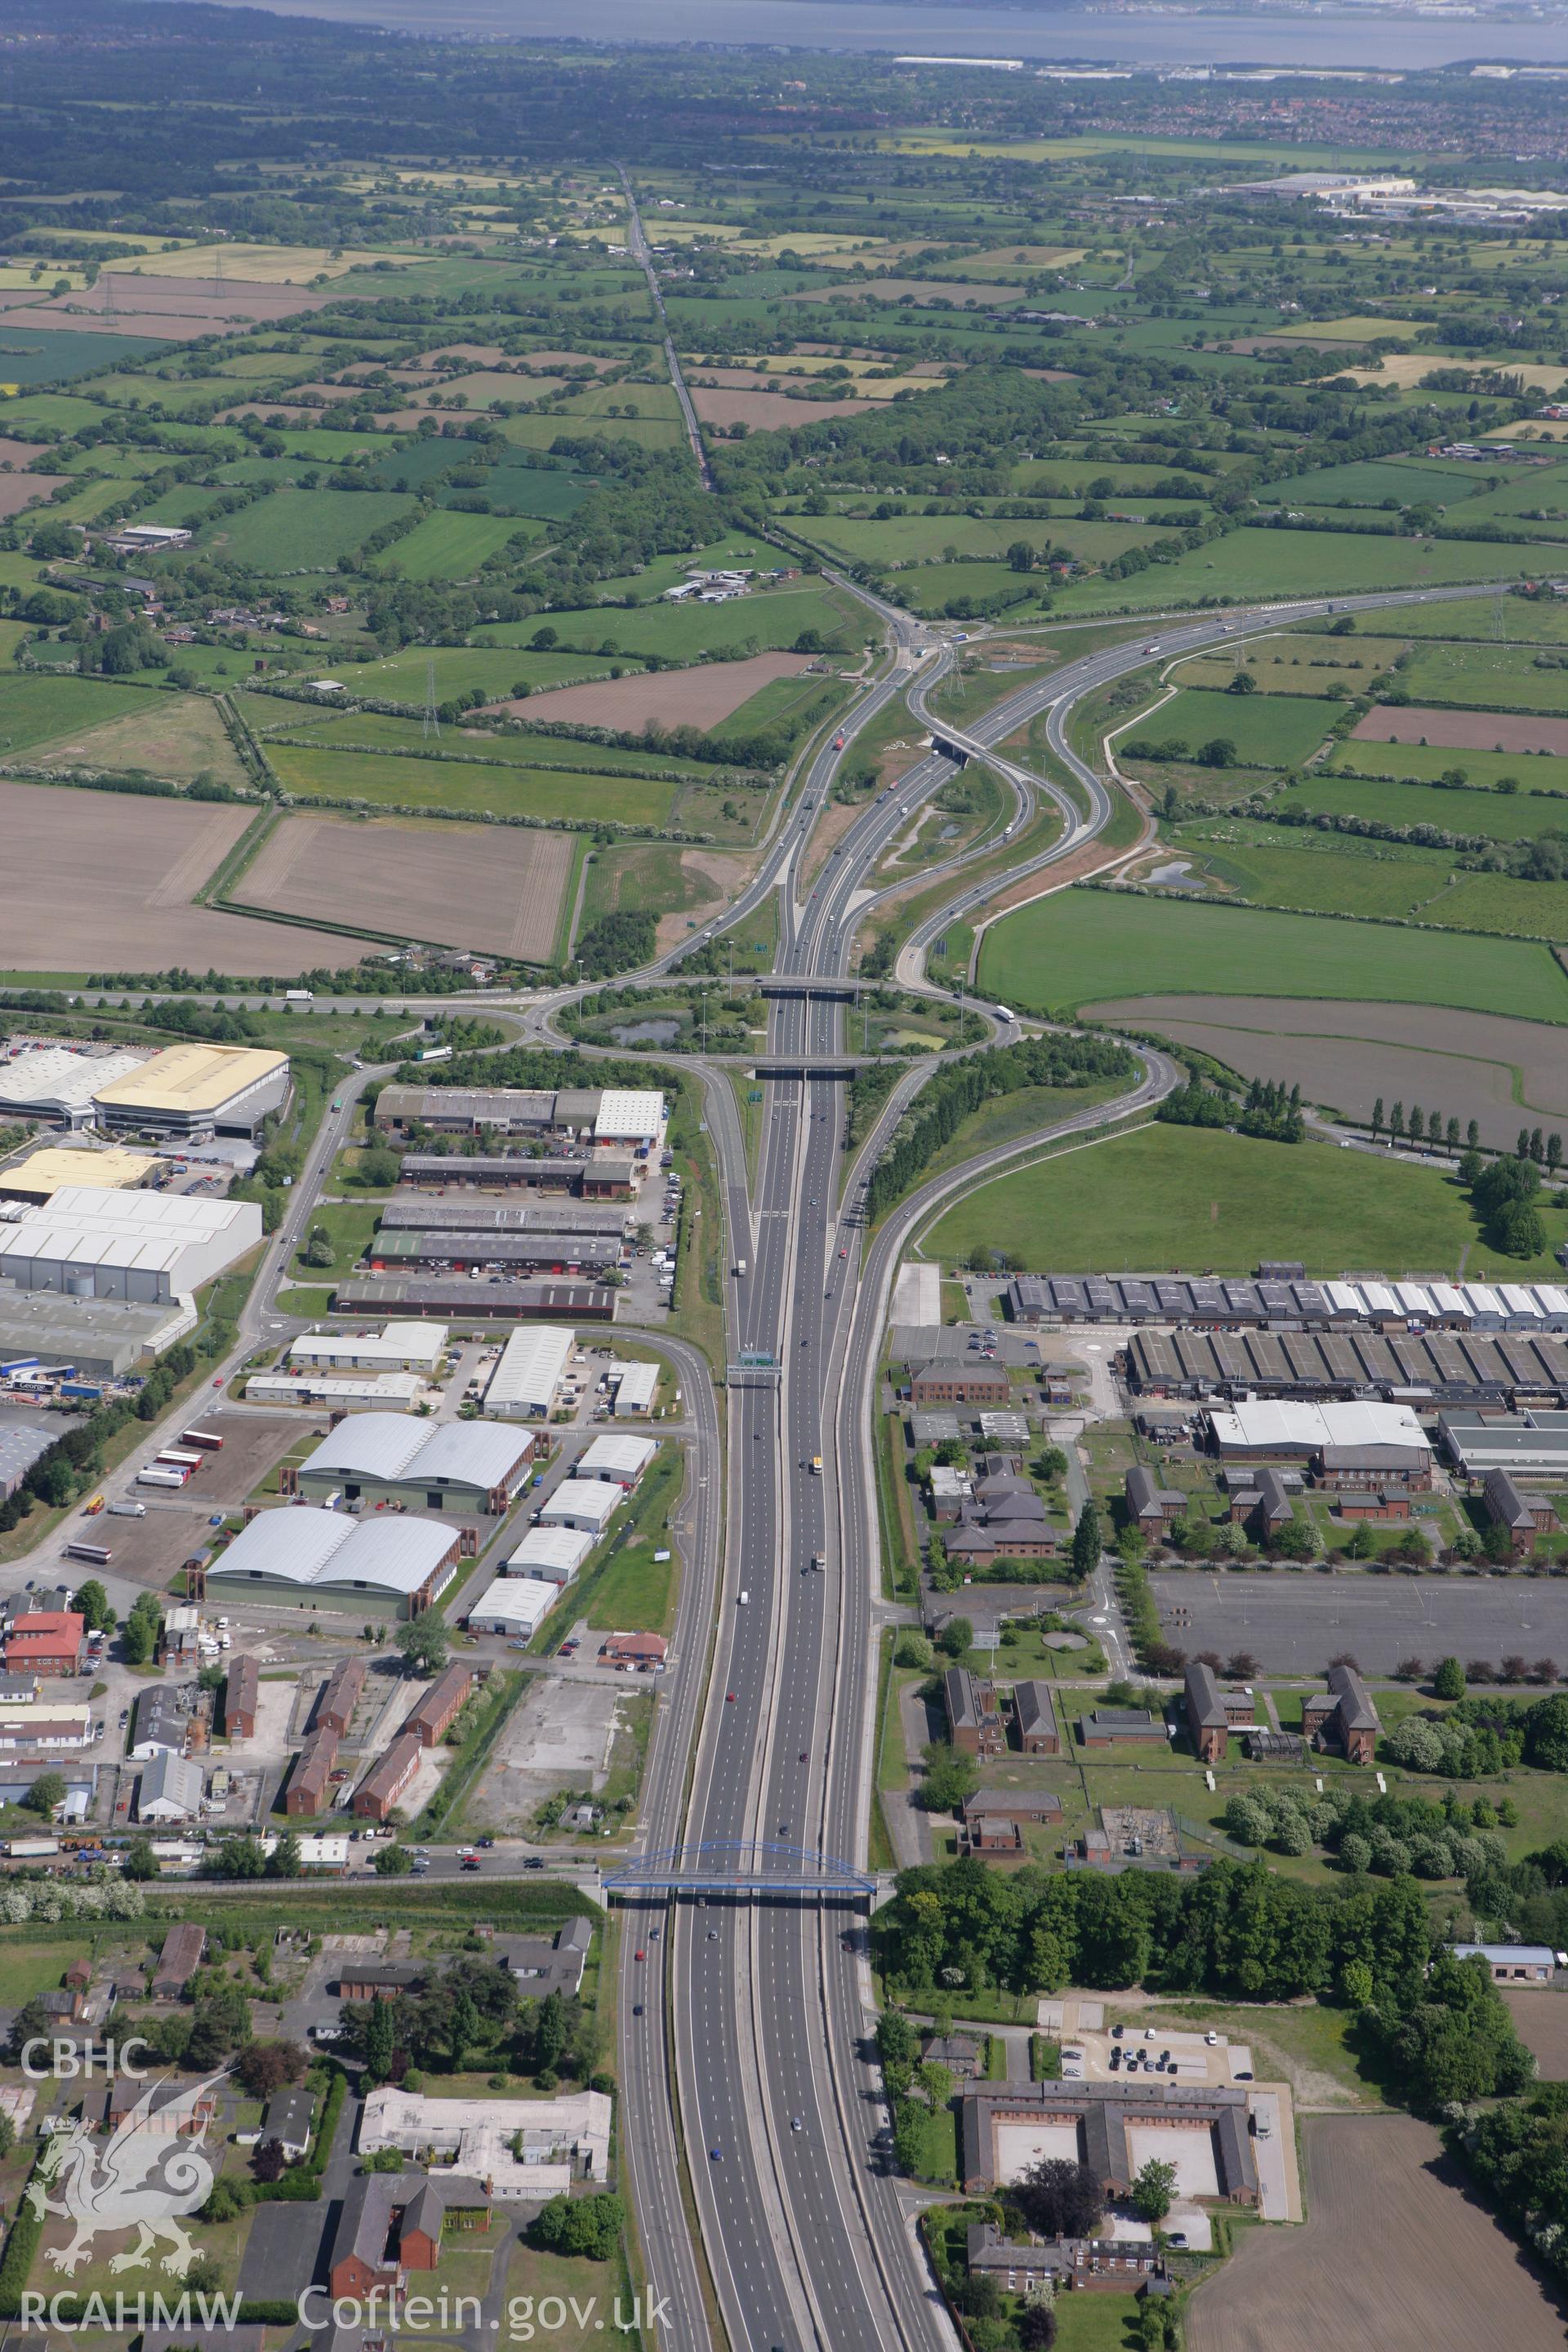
column 208, row 1439
column 99, row 1555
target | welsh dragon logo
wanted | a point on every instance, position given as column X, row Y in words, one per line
column 146, row 2177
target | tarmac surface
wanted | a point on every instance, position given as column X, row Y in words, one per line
column 1295, row 1622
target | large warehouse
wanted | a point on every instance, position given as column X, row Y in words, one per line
column 301, row 1558
column 44, row 1174
column 514, row 1605
column 422, row 1214
column 552, row 1555
column 612, row 1177
column 1438, row 1366
column 197, row 1090
column 467, row 1111
column 1529, row 1444
column 57, row 1083
column 386, row 1457
column 150, row 1249
column 527, row 1378
column 1383, row 1436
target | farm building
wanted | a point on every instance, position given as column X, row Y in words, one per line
column 635, row 1386
column 498, row 1300
column 587, row 1505
column 384, row 1457
column 527, row 1378
column 1513, row 1963
column 553, row 1554
column 304, row 1557
column 196, row 1090
column 975, row 1720
column 44, row 1174
column 147, row 1248
column 1533, row 1443
column 396, row 1347
column 515, row 1606
column 620, row 1461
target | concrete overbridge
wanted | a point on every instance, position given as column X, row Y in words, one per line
column 809, row 1065
column 743, row 1866
column 790, row 984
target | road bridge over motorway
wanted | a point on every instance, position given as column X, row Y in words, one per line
column 753, row 1867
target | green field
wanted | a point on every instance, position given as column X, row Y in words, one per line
column 925, row 539
column 1426, row 762
column 471, row 786
column 301, row 530
column 1264, row 565
column 542, row 431
column 1269, row 731
column 774, row 618
column 1196, row 1196
column 1498, row 618
column 34, row 709
column 1369, row 481
column 1513, row 675
column 1082, row 944
column 378, row 731
column 453, row 546
column 1501, row 816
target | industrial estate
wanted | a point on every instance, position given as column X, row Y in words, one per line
column 784, row 1248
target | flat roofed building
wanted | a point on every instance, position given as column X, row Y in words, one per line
column 515, row 1606
column 446, row 1251
column 630, row 1114
column 526, row 1381
column 377, row 1392
column 521, row 2148
column 455, row 1465
column 1529, row 1444
column 301, row 1558
column 554, row 1554
column 502, row 1299
column 467, row 1111
column 1257, row 1431
column 196, row 1088
column 147, row 1248
column 43, row 1173
column 57, row 1083
column 622, row 1460
column 405, row 1347
column 421, row 1215
column 586, row 1503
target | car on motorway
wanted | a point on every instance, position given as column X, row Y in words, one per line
column 472, row 1862
column 639, row 1953
column 533, row 1862
column 637, row 2008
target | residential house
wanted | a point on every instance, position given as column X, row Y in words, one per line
column 637, row 1650
column 288, row 2120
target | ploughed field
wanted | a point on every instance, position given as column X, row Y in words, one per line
column 457, row 885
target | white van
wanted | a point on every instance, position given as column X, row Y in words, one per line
column 744, row 1598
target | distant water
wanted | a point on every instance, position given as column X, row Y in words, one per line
column 1339, row 38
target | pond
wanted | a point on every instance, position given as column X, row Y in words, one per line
column 661, row 1032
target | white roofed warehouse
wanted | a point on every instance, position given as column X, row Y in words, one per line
column 527, row 1378
column 553, row 1554
column 147, row 1248
column 305, row 1558
column 620, row 1459
column 514, row 1605
column 586, row 1503
column 630, row 1115
column 472, row 1467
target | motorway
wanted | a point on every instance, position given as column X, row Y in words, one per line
column 748, row 2064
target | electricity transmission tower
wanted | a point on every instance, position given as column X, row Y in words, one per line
column 432, row 725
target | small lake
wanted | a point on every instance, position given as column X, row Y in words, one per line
column 661, row 1032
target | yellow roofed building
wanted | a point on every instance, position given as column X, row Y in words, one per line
column 196, row 1090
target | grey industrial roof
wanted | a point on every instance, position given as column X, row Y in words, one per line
column 391, row 1447
column 298, row 1544
column 20, row 1447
